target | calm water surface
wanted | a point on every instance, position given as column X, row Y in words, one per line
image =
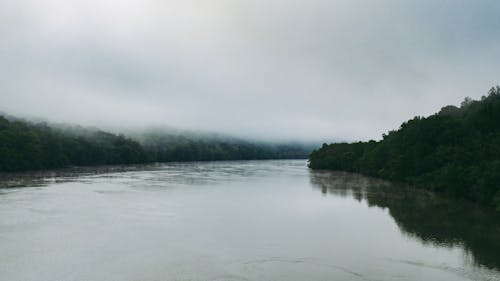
column 249, row 220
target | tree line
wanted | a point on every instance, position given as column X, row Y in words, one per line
column 455, row 151
column 35, row 146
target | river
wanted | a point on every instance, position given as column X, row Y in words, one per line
column 240, row 220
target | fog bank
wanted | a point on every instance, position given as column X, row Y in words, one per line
column 302, row 70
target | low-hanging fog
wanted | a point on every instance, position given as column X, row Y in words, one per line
column 269, row 69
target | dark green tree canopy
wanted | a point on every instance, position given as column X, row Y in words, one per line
column 29, row 146
column 455, row 151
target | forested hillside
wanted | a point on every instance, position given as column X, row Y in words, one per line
column 455, row 151
column 164, row 147
column 25, row 146
column 34, row 146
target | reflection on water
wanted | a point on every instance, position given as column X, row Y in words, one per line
column 186, row 173
column 430, row 218
column 239, row 220
column 43, row 178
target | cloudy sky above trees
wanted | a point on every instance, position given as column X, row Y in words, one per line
column 315, row 69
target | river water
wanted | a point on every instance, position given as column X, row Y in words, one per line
column 244, row 220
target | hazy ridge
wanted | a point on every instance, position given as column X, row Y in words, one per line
column 30, row 145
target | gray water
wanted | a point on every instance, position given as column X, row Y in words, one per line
column 248, row 220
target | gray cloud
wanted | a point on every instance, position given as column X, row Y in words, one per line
column 267, row 69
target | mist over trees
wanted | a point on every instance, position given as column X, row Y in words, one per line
column 455, row 151
column 26, row 146
column 165, row 147
column 35, row 146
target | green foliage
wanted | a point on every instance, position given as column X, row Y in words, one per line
column 456, row 152
column 166, row 147
column 25, row 146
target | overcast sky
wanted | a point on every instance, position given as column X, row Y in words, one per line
column 286, row 69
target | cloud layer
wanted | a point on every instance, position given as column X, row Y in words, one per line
column 270, row 69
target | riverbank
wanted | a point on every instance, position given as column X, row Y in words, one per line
column 454, row 152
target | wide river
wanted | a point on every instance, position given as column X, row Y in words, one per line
column 244, row 220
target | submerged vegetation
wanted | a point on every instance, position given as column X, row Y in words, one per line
column 455, row 151
column 35, row 146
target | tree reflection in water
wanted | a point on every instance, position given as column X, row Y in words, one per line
column 426, row 216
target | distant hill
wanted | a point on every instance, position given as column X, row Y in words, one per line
column 178, row 145
column 26, row 145
column 455, row 151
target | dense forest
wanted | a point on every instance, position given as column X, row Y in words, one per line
column 35, row 146
column 186, row 146
column 455, row 151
